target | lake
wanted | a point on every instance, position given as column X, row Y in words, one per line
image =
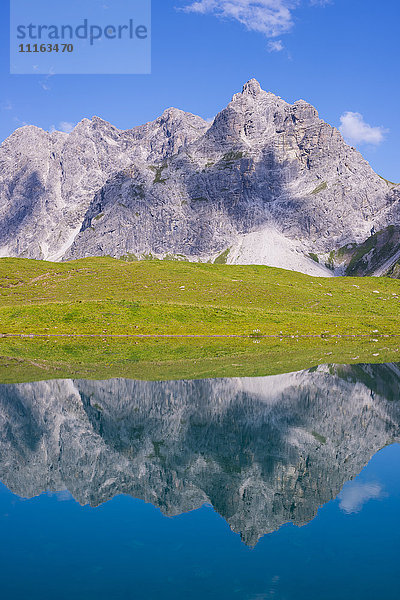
column 284, row 487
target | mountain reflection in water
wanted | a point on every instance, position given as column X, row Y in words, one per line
column 263, row 451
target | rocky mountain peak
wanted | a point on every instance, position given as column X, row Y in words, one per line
column 172, row 113
column 252, row 93
column 252, row 88
column 267, row 182
column 26, row 132
column 99, row 122
column 176, row 118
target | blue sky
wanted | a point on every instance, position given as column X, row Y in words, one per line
column 341, row 55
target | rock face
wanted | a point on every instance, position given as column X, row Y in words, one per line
column 48, row 180
column 263, row 451
column 377, row 256
column 267, row 182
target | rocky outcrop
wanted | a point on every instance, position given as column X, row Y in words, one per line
column 48, row 180
column 263, row 451
column 267, row 182
column 376, row 256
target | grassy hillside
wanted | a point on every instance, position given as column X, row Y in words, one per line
column 108, row 296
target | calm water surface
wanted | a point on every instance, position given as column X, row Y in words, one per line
column 284, row 487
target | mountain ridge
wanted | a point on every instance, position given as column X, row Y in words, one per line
column 266, row 182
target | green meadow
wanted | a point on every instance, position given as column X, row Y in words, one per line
column 109, row 296
column 280, row 320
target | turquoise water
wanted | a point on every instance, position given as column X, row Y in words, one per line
column 283, row 487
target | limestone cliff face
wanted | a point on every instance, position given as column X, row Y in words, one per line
column 48, row 180
column 267, row 181
column 263, row 451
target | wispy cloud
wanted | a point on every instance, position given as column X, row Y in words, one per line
column 269, row 17
column 65, row 126
column 275, row 46
column 44, row 83
column 355, row 130
column 354, row 495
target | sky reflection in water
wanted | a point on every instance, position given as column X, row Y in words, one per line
column 295, row 441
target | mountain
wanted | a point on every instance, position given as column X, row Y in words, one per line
column 48, row 180
column 263, row 451
column 266, row 183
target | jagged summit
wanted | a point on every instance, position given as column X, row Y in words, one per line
column 266, row 182
column 175, row 113
column 252, row 91
column 179, row 118
column 252, row 87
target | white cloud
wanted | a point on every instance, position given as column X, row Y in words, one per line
column 355, row 130
column 65, row 126
column 270, row 17
column 44, row 82
column 275, row 46
column 355, row 495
